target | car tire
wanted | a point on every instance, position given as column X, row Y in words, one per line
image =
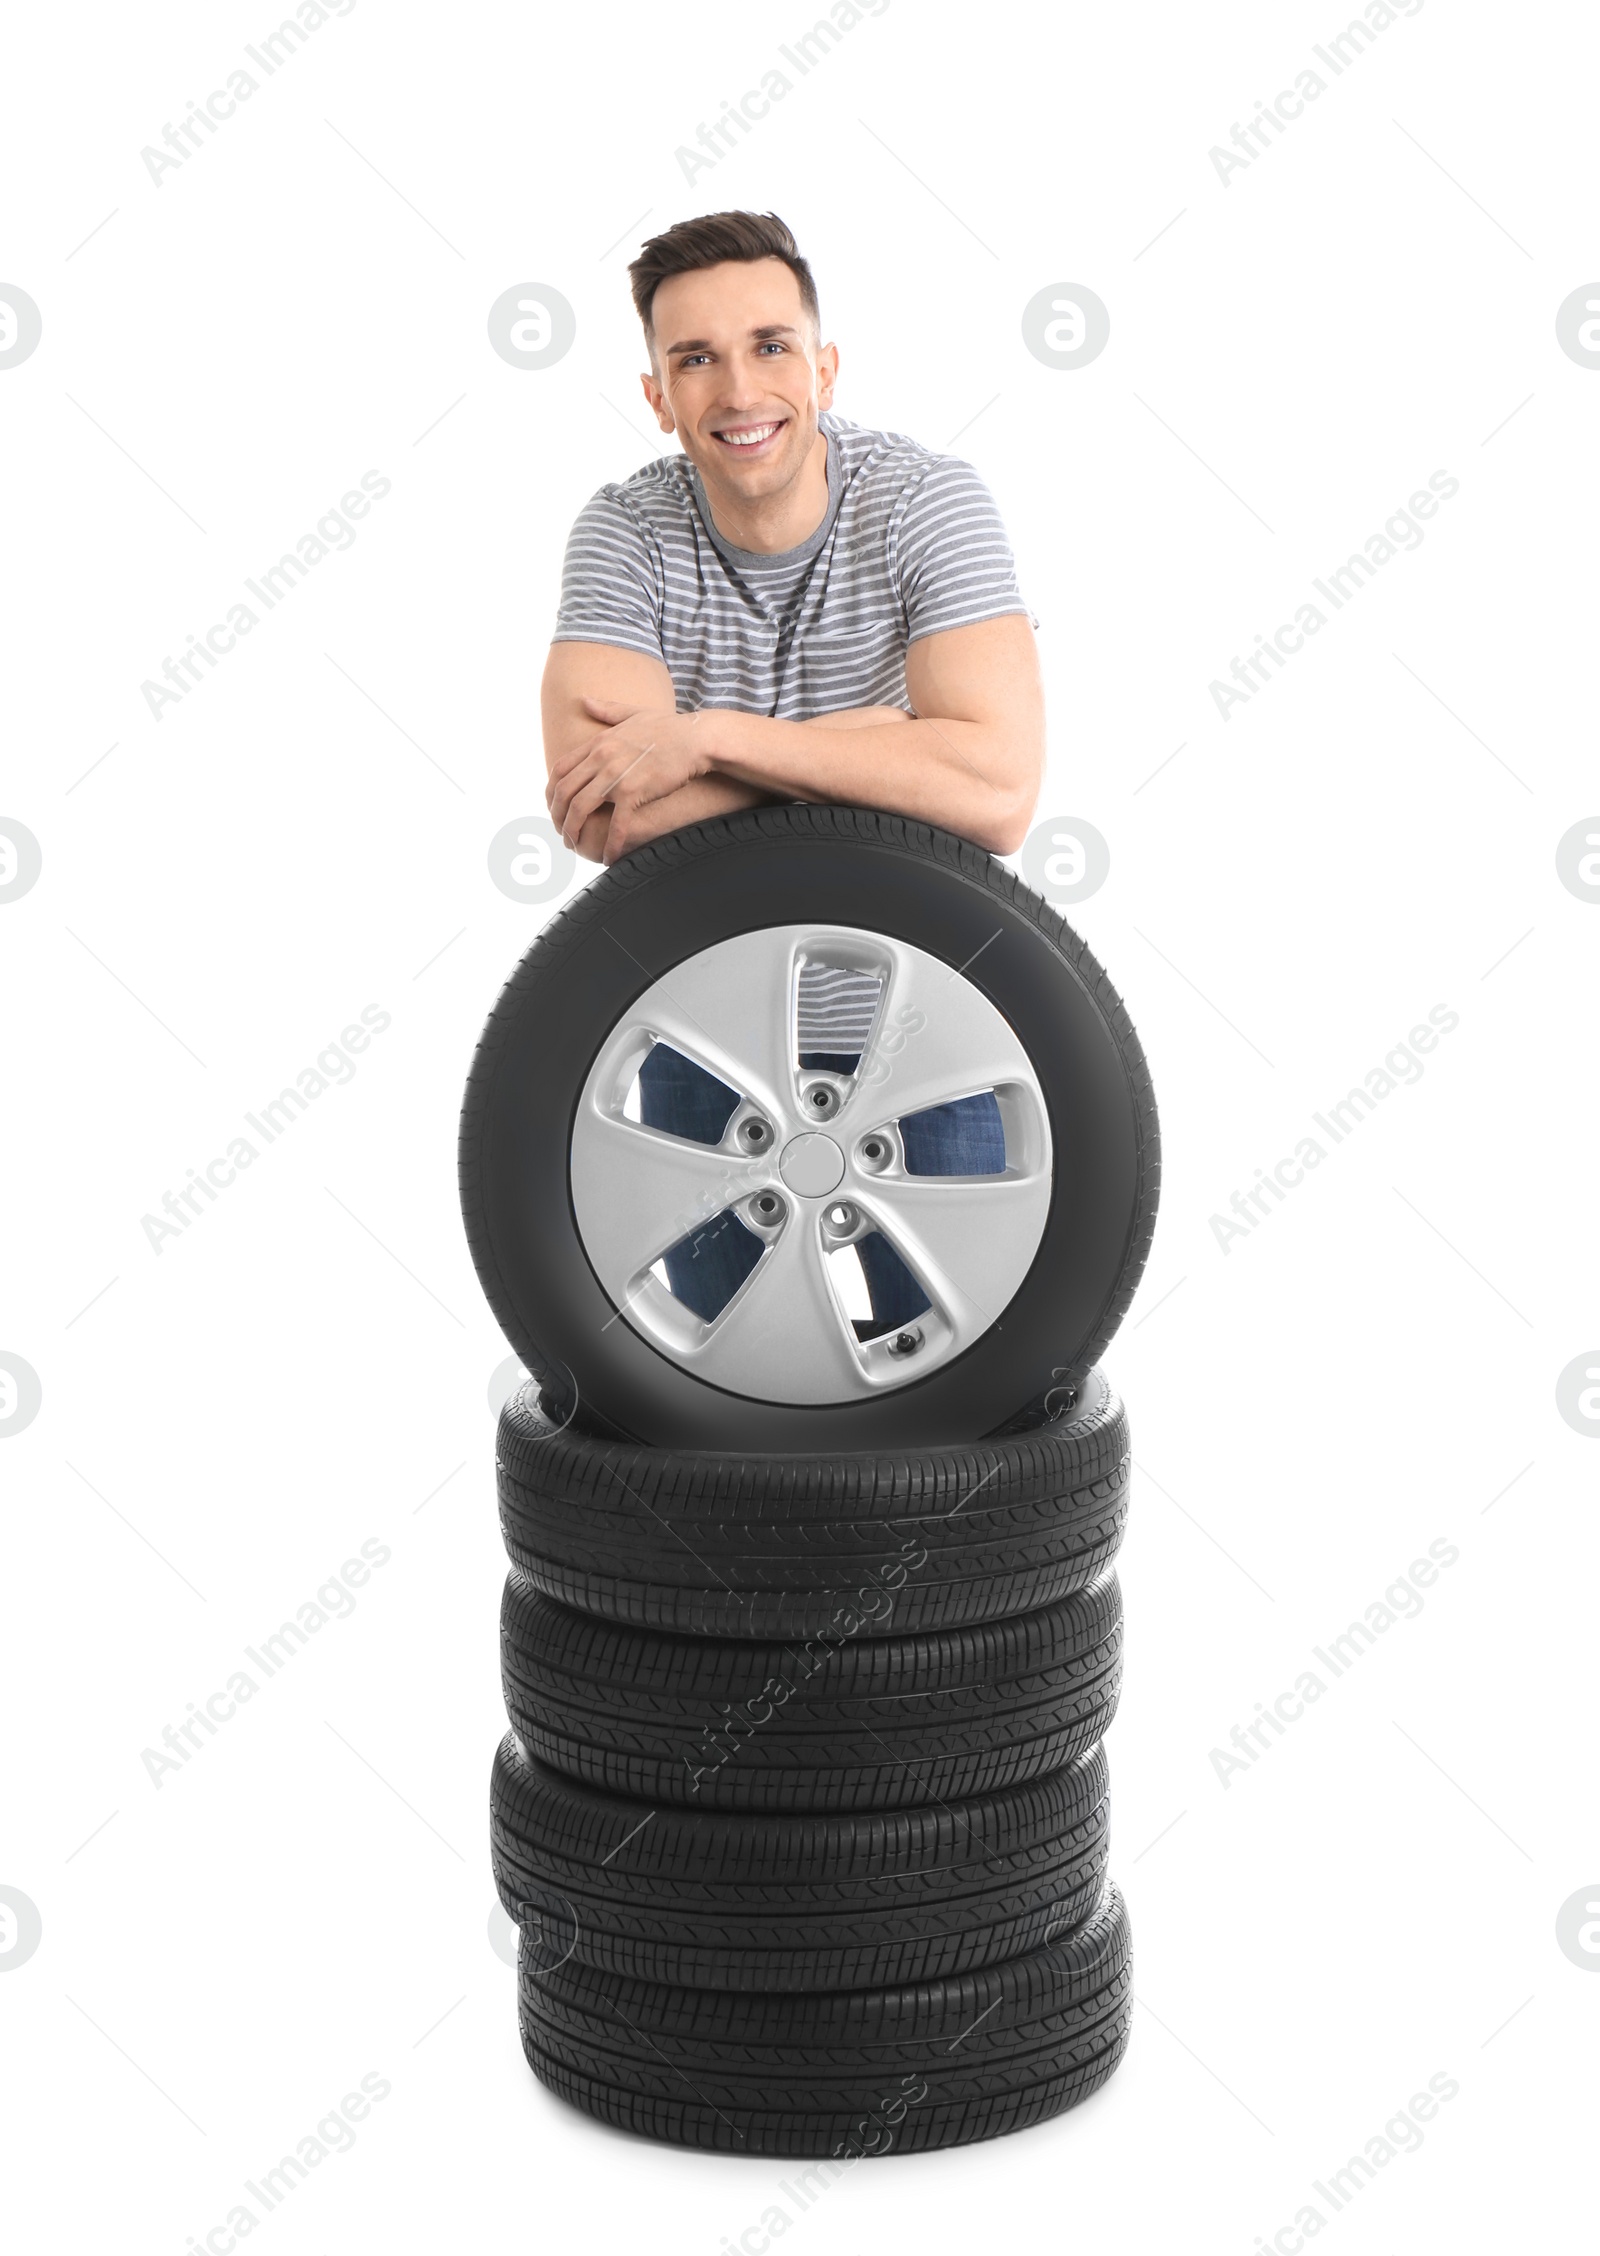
column 572, row 1207
column 846, row 2074
column 720, row 1544
column 841, row 1721
column 703, row 1900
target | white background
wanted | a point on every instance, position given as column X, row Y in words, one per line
column 308, row 1365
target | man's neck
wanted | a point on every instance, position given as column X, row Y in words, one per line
column 777, row 521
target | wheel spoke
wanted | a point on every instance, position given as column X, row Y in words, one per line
column 785, row 1319
column 641, row 1191
column 731, row 1009
column 936, row 1039
column 959, row 1235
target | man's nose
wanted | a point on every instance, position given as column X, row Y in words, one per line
column 744, row 387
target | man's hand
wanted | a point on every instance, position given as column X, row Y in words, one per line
column 590, row 688
column 638, row 755
column 606, row 836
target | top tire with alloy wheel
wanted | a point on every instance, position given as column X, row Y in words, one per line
column 811, row 1129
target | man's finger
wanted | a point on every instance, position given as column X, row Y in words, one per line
column 571, row 762
column 583, row 803
column 574, row 814
column 567, row 781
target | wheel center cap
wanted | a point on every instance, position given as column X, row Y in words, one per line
column 812, row 1166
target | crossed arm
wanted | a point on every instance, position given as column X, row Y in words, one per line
column 626, row 767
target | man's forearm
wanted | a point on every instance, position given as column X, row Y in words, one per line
column 968, row 755
column 958, row 774
column 706, row 796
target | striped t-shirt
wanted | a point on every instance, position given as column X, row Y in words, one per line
column 835, row 1006
column 911, row 544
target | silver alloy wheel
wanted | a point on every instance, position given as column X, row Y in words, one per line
column 785, row 1336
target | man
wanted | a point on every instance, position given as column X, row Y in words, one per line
column 794, row 607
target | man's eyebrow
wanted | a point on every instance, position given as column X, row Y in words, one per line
column 704, row 344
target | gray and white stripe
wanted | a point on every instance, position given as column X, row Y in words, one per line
column 912, row 544
column 835, row 1008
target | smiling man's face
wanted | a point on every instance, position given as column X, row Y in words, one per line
column 741, row 378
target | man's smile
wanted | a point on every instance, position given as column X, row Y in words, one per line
column 748, row 438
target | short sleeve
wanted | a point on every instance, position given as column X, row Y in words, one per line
column 954, row 564
column 610, row 587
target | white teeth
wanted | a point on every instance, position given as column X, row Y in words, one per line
column 748, row 438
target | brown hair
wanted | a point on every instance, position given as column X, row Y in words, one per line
column 696, row 243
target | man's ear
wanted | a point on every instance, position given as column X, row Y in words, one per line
column 827, row 374
column 650, row 385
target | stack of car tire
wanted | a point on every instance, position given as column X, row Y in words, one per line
column 803, row 1812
